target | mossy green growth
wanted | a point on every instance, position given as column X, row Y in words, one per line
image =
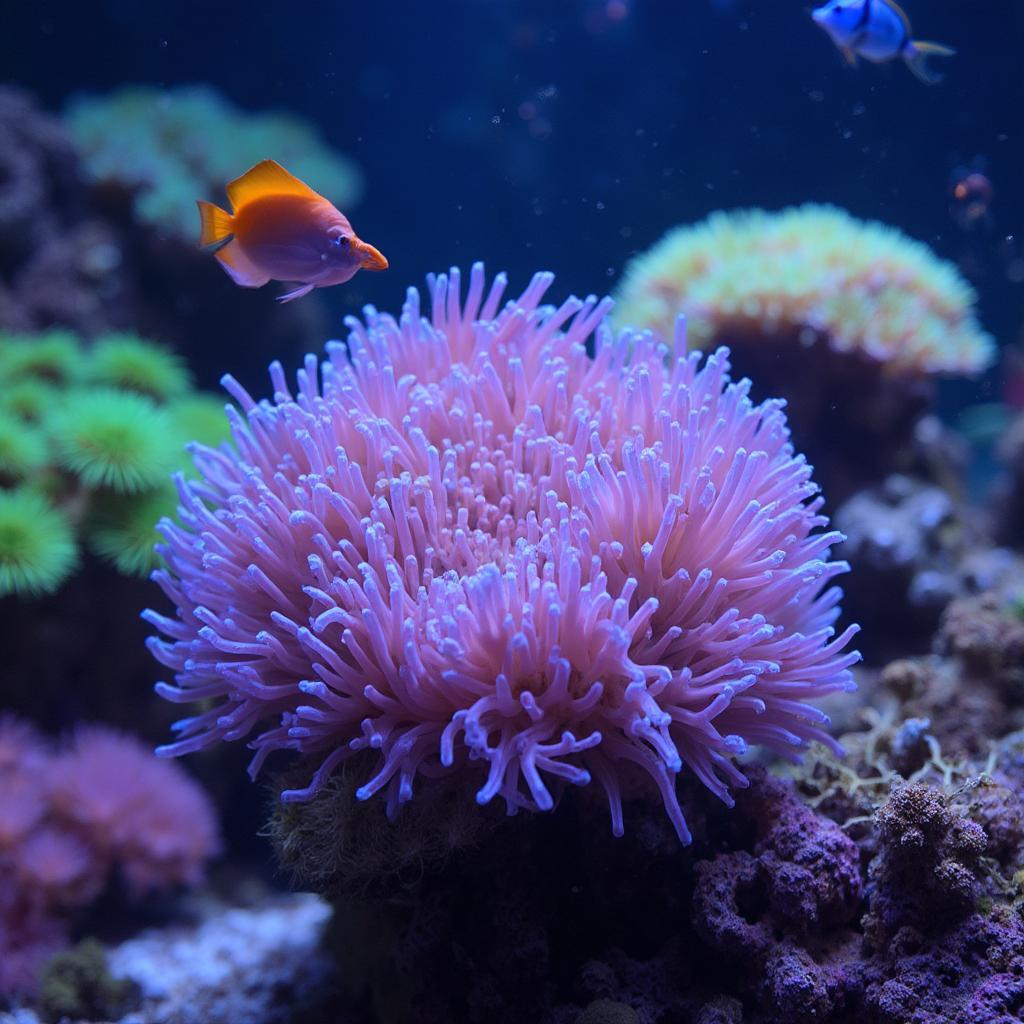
column 90, row 436
column 77, row 985
column 170, row 147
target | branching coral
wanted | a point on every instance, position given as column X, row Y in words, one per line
column 466, row 543
column 89, row 437
column 170, row 147
column 74, row 815
column 862, row 287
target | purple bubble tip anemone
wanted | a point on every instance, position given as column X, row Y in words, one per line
column 468, row 544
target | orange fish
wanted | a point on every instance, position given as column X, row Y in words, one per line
column 280, row 229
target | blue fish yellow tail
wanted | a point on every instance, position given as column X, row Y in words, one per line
column 216, row 229
column 917, row 54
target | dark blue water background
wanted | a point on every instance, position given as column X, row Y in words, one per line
column 551, row 135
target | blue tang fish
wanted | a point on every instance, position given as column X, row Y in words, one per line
column 879, row 31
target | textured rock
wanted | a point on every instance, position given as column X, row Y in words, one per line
column 239, row 965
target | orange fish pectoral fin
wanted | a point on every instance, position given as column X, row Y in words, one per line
column 267, row 178
column 916, row 56
column 849, row 56
column 240, row 268
column 296, row 293
column 215, row 224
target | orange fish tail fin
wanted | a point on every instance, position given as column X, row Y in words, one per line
column 917, row 55
column 216, row 224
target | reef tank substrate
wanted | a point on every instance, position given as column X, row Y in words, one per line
column 512, row 513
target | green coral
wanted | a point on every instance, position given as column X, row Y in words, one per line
column 171, row 147
column 89, row 439
column 52, row 357
column 22, row 449
column 123, row 528
column 37, row 546
column 200, row 418
column 116, row 439
column 28, row 399
column 126, row 361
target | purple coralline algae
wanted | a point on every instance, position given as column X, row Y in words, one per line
column 466, row 543
column 72, row 817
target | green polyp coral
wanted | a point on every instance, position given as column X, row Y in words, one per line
column 117, row 440
column 52, row 357
column 89, row 438
column 127, row 361
column 22, row 449
column 37, row 546
column 123, row 529
column 171, row 147
column 27, row 399
column 199, row 417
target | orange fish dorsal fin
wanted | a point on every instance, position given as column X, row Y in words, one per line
column 267, row 178
column 901, row 14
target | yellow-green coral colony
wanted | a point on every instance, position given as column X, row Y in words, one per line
column 865, row 287
column 89, row 437
column 171, row 146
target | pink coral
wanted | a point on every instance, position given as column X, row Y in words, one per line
column 29, row 936
column 23, row 808
column 105, row 782
column 467, row 544
column 21, row 747
column 58, row 864
column 71, row 818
